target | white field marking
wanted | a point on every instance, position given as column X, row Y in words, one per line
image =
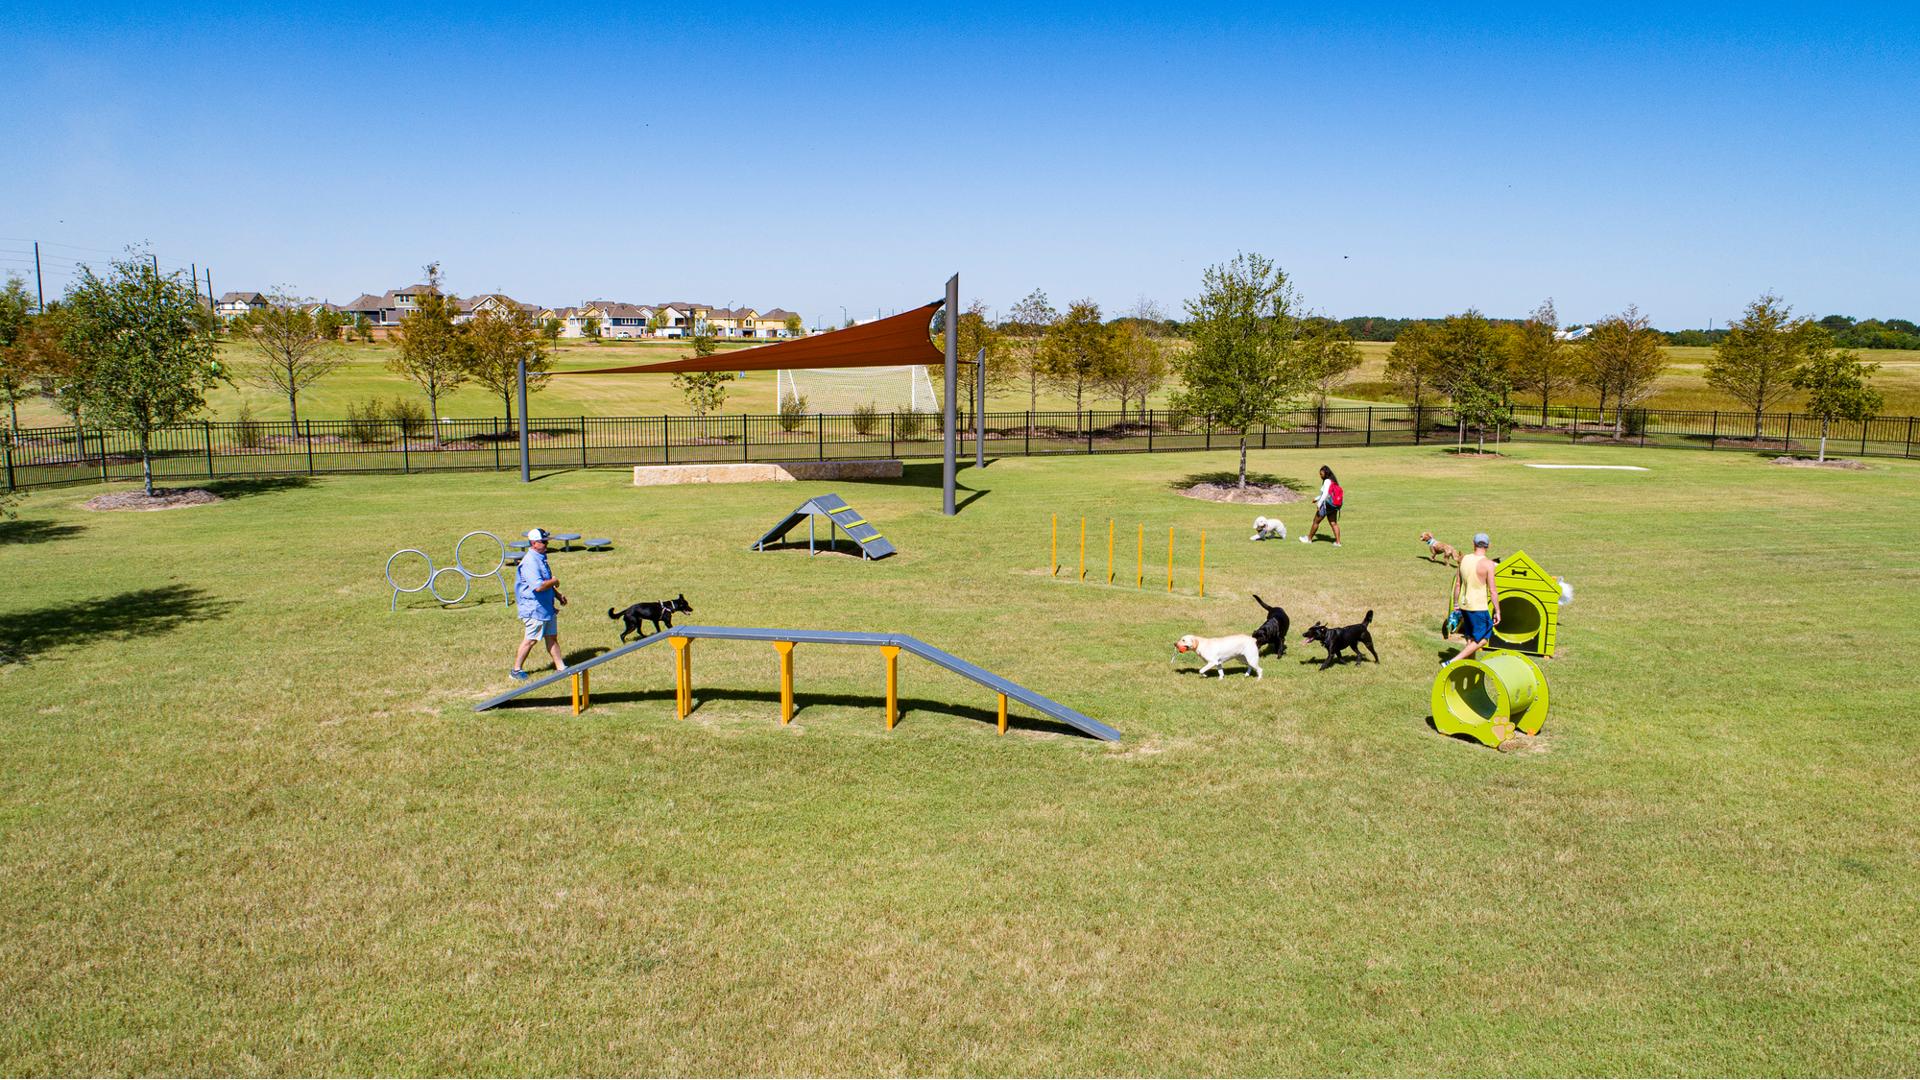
column 1622, row 468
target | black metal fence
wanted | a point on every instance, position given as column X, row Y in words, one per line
column 37, row 457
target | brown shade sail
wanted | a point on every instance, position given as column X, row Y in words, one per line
column 893, row 341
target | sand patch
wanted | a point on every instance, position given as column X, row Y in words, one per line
column 1809, row 463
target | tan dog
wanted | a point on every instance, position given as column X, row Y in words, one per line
column 1440, row 550
column 1216, row 651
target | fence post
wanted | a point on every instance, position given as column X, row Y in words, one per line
column 666, row 442
column 746, row 437
column 103, row 452
column 309, row 441
column 496, row 442
column 1319, row 421
column 1086, row 421
column 1369, row 425
column 8, row 447
column 1419, row 414
column 1863, row 435
column 1786, row 443
column 1149, row 433
column 206, row 430
column 1027, row 446
column 1908, row 452
column 406, row 449
column 1209, row 432
column 892, row 450
column 583, row 442
column 1643, row 429
column 1713, row 433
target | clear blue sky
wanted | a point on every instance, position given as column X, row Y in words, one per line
column 1398, row 160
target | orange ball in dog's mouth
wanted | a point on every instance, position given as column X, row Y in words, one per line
column 1180, row 648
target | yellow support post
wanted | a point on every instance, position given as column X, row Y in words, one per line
column 575, row 683
column 1109, row 551
column 1053, row 549
column 1140, row 558
column 586, row 688
column 682, row 675
column 785, row 649
column 1203, row 562
column 1169, row 558
column 892, row 653
column 1083, row 549
column 1003, row 714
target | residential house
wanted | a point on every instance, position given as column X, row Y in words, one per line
column 238, row 305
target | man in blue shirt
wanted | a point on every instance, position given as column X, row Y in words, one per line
column 537, row 591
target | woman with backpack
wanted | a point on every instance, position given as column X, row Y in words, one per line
column 1326, row 507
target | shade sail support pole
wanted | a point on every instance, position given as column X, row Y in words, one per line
column 949, row 407
column 526, row 464
column 980, row 410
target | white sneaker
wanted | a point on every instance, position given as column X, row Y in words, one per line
column 1306, row 539
column 1336, row 543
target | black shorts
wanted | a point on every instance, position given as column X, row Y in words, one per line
column 1330, row 512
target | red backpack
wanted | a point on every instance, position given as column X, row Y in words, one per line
column 1335, row 495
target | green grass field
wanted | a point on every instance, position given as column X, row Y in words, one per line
column 248, row 823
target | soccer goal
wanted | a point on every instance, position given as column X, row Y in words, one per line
column 843, row 390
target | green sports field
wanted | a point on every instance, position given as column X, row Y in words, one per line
column 249, row 824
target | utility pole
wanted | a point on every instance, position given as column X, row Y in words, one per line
column 195, row 277
column 156, row 263
column 209, row 284
column 39, row 286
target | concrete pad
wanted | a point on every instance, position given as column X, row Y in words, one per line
column 759, row 472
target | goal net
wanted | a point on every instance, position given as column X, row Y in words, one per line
column 843, row 390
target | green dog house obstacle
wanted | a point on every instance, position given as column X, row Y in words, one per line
column 1502, row 689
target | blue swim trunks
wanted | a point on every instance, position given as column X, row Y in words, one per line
column 1477, row 624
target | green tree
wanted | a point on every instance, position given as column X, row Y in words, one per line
column 1026, row 327
column 1624, row 358
column 496, row 341
column 656, row 322
column 430, row 352
column 1140, row 355
column 705, row 391
column 1755, row 363
column 1838, row 388
column 1328, row 355
column 591, row 328
column 295, row 349
column 148, row 348
column 977, row 334
column 550, row 329
column 794, row 326
column 1410, row 365
column 17, row 361
column 1476, row 392
column 1536, row 357
column 1467, row 363
column 1077, row 352
column 705, row 343
column 1245, row 366
column 330, row 323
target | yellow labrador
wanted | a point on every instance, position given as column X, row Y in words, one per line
column 1216, row 651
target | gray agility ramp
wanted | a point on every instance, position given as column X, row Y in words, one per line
column 839, row 516
column 999, row 684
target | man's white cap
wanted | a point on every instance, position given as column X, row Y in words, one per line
column 536, row 534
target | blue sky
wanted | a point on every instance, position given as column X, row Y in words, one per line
column 1396, row 159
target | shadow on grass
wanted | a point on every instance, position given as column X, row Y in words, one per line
column 36, row 532
column 929, row 474
column 821, row 546
column 123, row 617
column 241, row 487
column 802, row 701
column 1230, row 477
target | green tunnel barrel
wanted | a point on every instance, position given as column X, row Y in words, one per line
column 1489, row 696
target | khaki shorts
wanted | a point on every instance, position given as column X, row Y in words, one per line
column 541, row 628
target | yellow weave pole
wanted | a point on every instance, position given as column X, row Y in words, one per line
column 1109, row 551
column 1203, row 562
column 682, row 674
column 892, row 653
column 1083, row 549
column 1169, row 558
column 1053, row 549
column 785, row 649
column 576, row 693
column 1140, row 559
column 1003, row 714
column 586, row 688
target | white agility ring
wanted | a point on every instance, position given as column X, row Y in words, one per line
column 499, row 561
column 397, row 587
column 466, row 584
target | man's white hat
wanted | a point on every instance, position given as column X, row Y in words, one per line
column 536, row 534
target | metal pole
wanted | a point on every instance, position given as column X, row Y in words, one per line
column 39, row 286
column 980, row 410
column 950, row 448
column 526, row 464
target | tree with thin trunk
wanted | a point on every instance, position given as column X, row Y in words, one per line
column 430, row 346
column 1625, row 358
column 1245, row 366
column 496, row 341
column 705, row 391
column 1410, row 365
column 1077, row 353
column 1838, row 388
column 1140, row 364
column 296, row 349
column 794, row 326
column 17, row 366
column 1465, row 353
column 1537, row 358
column 1755, row 363
column 1028, row 323
column 61, row 376
column 148, row 349
column 1329, row 355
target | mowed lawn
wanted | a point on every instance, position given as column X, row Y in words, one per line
column 249, row 824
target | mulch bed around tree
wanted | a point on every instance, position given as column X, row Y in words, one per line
column 161, row 499
column 1252, row 493
column 1809, row 463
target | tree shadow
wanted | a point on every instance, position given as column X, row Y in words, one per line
column 128, row 615
column 930, row 475
column 240, row 487
column 36, row 532
column 1232, row 477
column 802, row 701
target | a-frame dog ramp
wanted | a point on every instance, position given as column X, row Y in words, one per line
column 840, row 518
column 783, row 641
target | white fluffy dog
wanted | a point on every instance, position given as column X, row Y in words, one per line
column 1216, row 651
column 1266, row 528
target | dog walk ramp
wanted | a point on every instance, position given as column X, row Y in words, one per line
column 784, row 640
column 840, row 518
